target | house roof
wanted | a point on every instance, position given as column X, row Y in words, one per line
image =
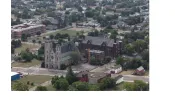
column 97, row 75
column 82, row 73
column 99, row 40
column 140, row 68
column 14, row 73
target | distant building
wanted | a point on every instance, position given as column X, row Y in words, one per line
column 92, row 77
column 139, row 71
column 110, row 47
column 97, row 54
column 31, row 29
column 117, row 69
column 119, row 79
column 56, row 54
column 15, row 76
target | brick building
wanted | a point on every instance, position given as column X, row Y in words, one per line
column 110, row 47
column 92, row 77
column 32, row 29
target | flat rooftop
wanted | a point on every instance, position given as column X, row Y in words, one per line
column 25, row 26
column 96, row 51
column 13, row 73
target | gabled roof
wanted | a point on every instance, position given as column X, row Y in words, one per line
column 140, row 68
column 99, row 40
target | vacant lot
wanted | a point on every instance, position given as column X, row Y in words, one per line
column 34, row 62
column 25, row 46
column 36, row 79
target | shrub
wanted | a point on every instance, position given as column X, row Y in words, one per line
column 32, row 84
column 28, row 82
column 63, row 67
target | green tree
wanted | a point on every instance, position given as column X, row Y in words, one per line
column 94, row 87
column 81, row 86
column 128, row 86
column 120, row 60
column 107, row 83
column 63, row 67
column 145, row 55
column 18, row 86
column 113, row 36
column 71, row 88
column 23, row 37
column 41, row 88
column 27, row 56
column 34, row 41
column 12, row 50
column 63, row 84
column 140, row 86
column 16, row 43
column 57, row 36
column 56, row 84
column 78, row 34
column 140, row 45
column 129, row 49
column 75, row 56
column 115, row 32
column 51, row 36
column 41, row 50
column 54, row 79
column 39, row 42
column 70, row 76
column 135, row 63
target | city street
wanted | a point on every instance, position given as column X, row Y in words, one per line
column 53, row 72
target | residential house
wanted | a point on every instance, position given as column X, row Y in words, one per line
column 92, row 77
column 139, row 71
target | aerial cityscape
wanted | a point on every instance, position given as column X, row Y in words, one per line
column 80, row 45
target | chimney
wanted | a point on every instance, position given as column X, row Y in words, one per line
column 115, row 40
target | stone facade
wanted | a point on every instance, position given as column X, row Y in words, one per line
column 52, row 53
column 56, row 54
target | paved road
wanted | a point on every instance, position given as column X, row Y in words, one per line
column 53, row 72
column 38, row 71
column 131, row 78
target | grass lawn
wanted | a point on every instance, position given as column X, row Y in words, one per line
column 50, row 88
column 70, row 32
column 26, row 64
column 36, row 79
column 25, row 46
column 128, row 72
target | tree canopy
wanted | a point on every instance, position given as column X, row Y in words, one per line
column 81, row 86
column 27, row 56
column 70, row 76
column 18, row 86
column 41, row 88
column 107, row 83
